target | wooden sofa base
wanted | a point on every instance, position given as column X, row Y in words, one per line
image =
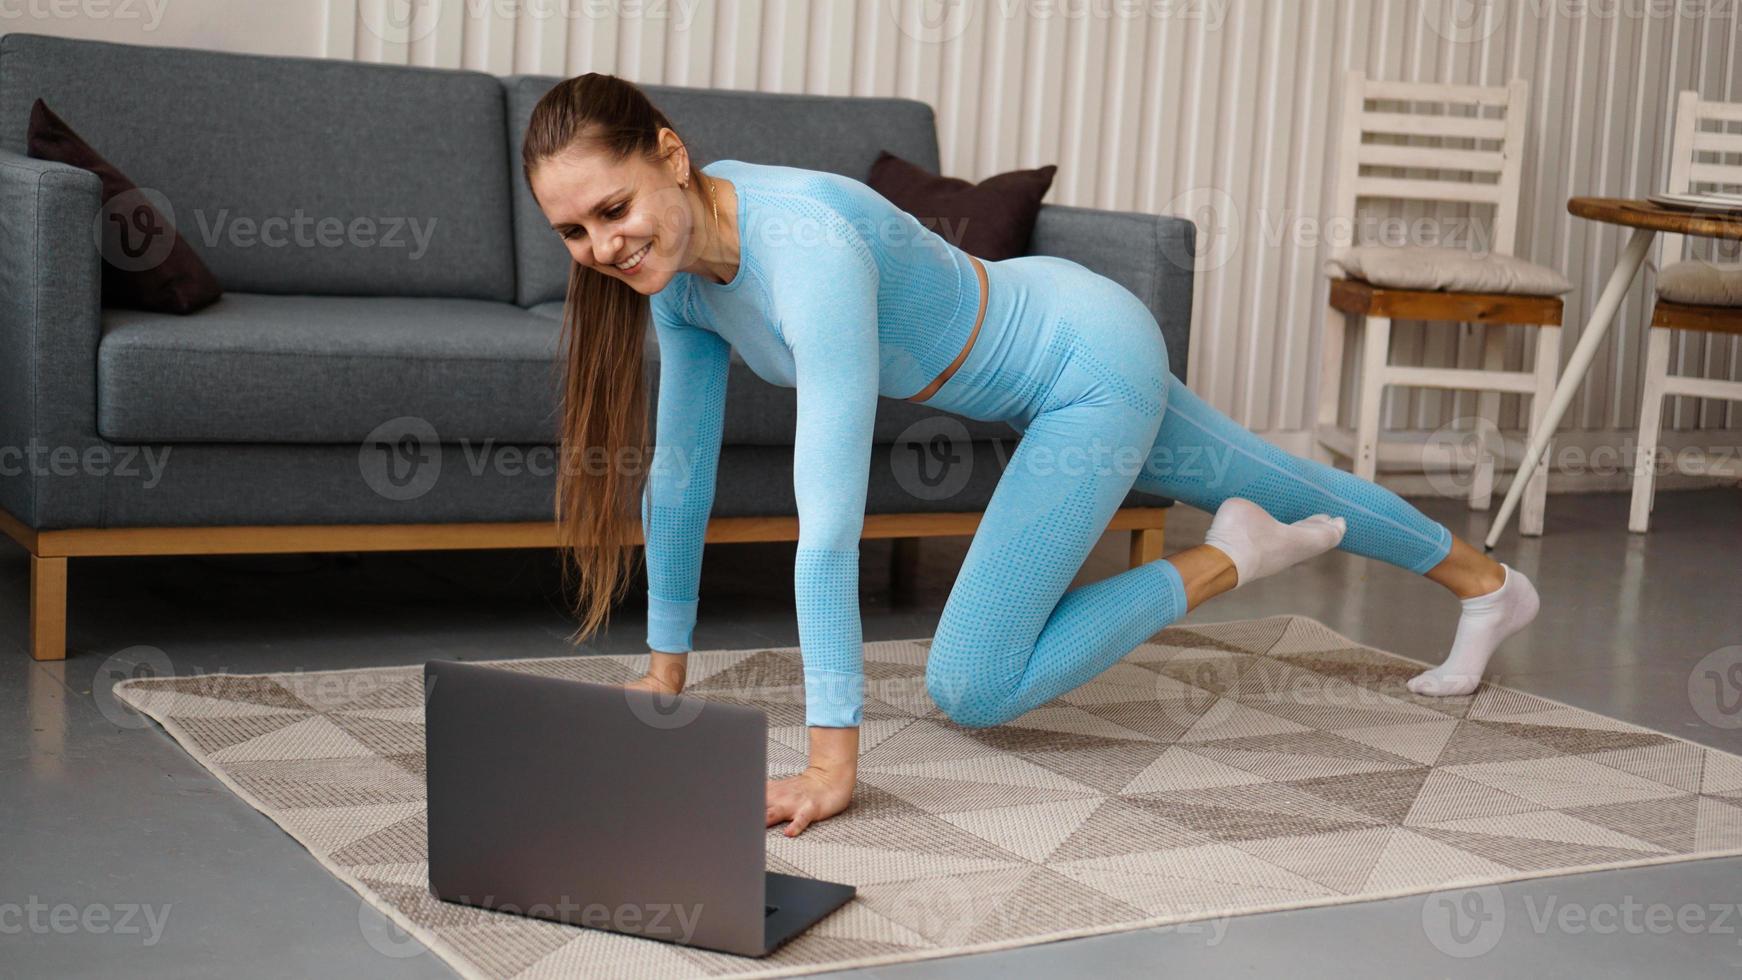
column 49, row 550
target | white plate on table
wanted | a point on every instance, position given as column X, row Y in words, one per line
column 1728, row 203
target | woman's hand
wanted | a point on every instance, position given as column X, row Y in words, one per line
column 665, row 674
column 810, row 796
column 824, row 788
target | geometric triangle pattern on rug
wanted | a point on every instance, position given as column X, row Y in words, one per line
column 1216, row 770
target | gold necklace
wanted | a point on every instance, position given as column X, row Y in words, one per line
column 715, row 198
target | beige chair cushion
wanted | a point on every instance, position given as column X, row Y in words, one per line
column 1701, row 283
column 1427, row 267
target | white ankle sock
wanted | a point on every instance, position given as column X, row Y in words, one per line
column 1486, row 622
column 1260, row 545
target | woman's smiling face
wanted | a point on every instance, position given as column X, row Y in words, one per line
column 629, row 219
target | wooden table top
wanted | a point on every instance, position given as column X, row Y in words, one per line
column 1644, row 214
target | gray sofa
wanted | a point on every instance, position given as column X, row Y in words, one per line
column 381, row 372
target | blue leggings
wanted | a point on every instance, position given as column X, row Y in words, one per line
column 1079, row 368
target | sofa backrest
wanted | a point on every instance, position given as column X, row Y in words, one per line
column 293, row 175
column 837, row 134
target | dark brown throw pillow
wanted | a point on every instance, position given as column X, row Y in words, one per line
column 992, row 219
column 147, row 265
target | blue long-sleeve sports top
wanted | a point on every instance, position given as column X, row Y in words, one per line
column 844, row 297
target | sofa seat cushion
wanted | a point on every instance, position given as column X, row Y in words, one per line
column 762, row 414
column 1701, row 283
column 1424, row 267
column 328, row 369
column 323, row 369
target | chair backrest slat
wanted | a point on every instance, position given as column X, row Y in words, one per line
column 1705, row 142
column 1431, row 158
column 1715, row 173
column 1495, row 95
column 1725, row 111
column 1430, row 190
column 1406, row 124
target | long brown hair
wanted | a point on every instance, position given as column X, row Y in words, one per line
column 604, row 391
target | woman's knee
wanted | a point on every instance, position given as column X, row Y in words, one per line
column 972, row 712
column 965, row 695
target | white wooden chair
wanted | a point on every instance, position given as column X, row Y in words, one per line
column 1470, row 156
column 1696, row 160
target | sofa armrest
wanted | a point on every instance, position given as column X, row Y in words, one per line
column 1150, row 254
column 50, row 322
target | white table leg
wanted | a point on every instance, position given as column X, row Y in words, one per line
column 1632, row 257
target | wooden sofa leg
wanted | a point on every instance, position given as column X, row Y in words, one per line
column 903, row 565
column 48, row 608
column 1146, row 545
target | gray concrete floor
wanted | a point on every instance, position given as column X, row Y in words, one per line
column 104, row 817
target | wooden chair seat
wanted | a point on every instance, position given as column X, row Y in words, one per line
column 1687, row 316
column 1359, row 298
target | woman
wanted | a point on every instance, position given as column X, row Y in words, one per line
column 823, row 285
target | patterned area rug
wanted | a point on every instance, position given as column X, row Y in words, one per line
column 1217, row 770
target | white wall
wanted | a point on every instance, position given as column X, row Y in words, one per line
column 1218, row 108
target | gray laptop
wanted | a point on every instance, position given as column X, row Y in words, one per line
column 597, row 805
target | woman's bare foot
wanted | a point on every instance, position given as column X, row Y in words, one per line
column 656, row 684
column 665, row 673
